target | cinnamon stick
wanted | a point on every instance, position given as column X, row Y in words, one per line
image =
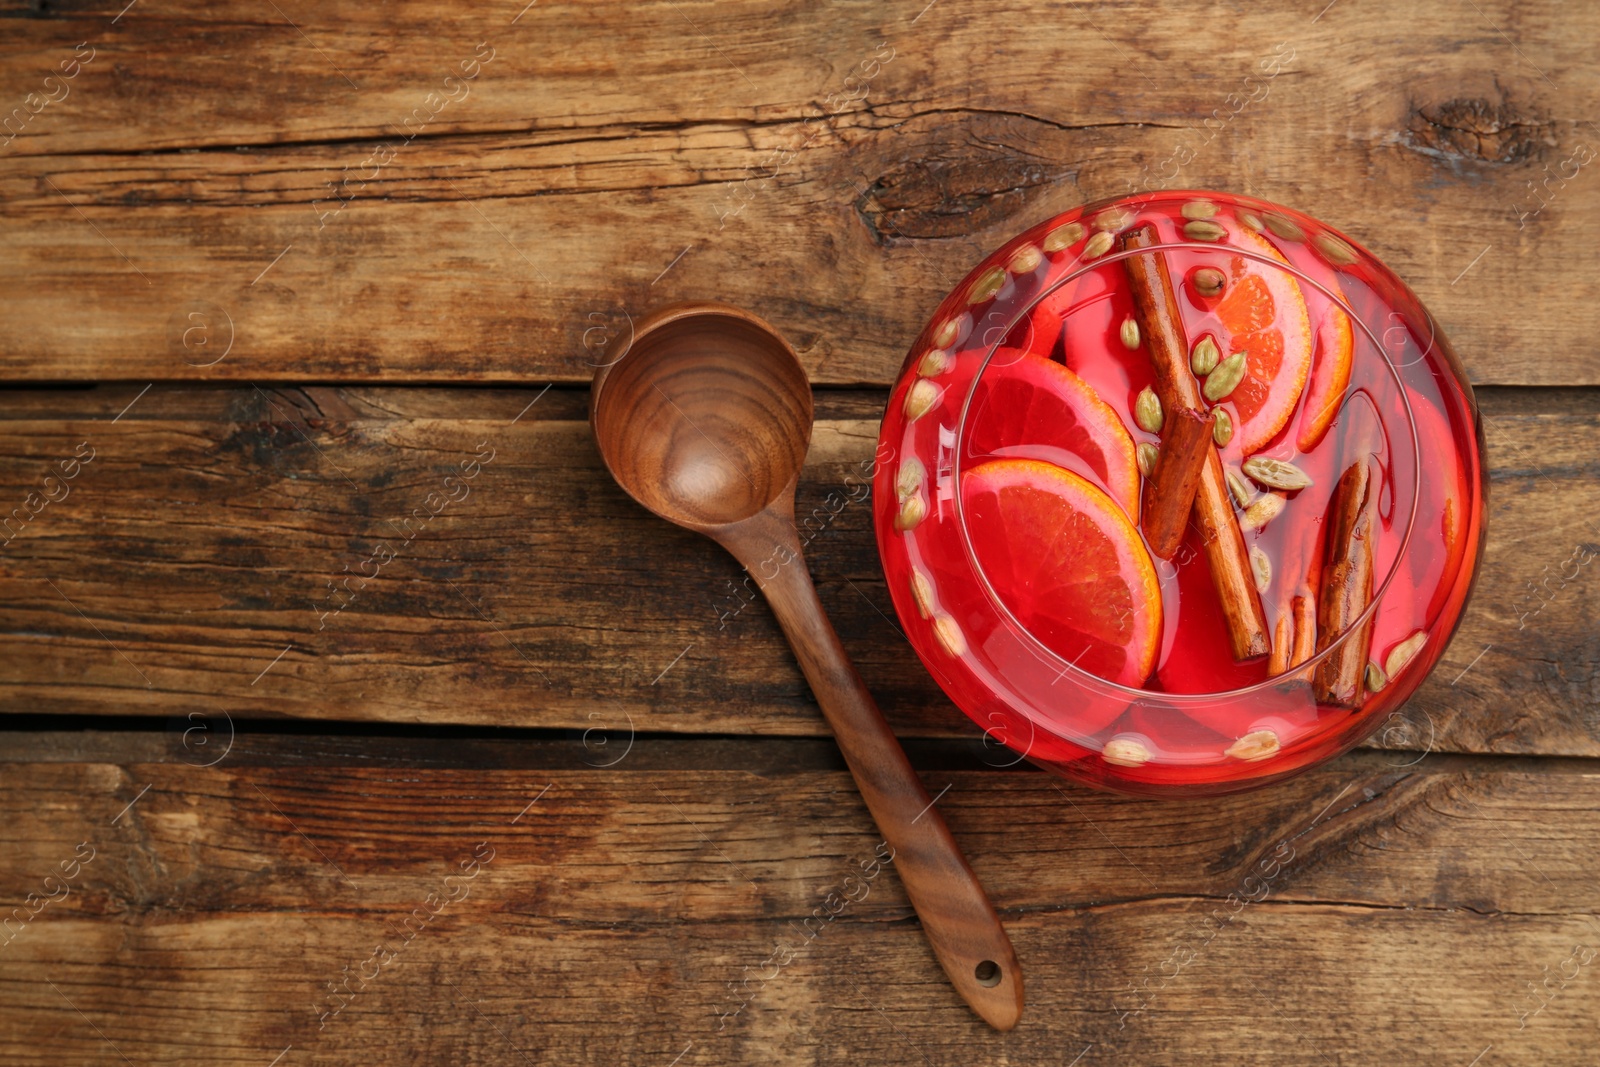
column 1347, row 587
column 1294, row 637
column 1156, row 305
column 1282, row 642
column 1169, row 492
column 1305, row 632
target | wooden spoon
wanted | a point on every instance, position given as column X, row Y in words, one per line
column 705, row 420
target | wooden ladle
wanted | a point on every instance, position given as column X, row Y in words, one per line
column 705, row 420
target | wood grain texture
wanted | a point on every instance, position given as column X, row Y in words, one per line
column 624, row 915
column 177, row 218
column 200, row 541
column 836, row 169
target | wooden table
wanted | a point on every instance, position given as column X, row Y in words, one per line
column 321, row 749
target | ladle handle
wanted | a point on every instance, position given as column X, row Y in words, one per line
column 957, row 916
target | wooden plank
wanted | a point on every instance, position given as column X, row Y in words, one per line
column 835, row 171
column 188, row 570
column 623, row 916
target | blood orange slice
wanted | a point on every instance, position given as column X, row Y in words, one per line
column 1047, row 318
column 1067, row 563
column 1445, row 496
column 1263, row 313
column 1330, row 376
column 1049, row 315
column 1026, row 406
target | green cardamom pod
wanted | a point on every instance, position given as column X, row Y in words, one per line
column 1205, row 357
column 1276, row 473
column 1147, row 411
column 1225, row 379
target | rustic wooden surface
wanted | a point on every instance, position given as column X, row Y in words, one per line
column 270, row 391
column 838, row 200
column 198, row 543
column 1376, row 903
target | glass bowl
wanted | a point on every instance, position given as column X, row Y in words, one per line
column 1036, row 408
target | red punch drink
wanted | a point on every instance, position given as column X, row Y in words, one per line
column 1183, row 494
